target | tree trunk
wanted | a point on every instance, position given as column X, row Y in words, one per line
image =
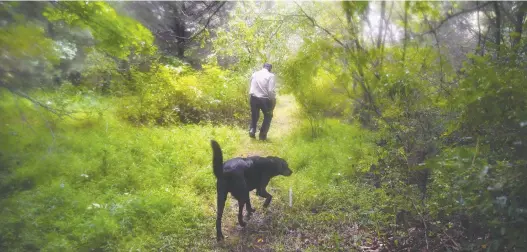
column 406, row 6
column 479, row 48
column 518, row 26
column 498, row 27
column 381, row 23
column 179, row 30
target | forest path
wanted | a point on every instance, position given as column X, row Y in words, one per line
column 265, row 231
column 285, row 118
column 254, row 237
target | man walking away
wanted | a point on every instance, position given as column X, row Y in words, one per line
column 263, row 97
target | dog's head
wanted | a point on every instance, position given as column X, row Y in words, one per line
column 282, row 166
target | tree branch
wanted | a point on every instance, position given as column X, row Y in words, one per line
column 277, row 29
column 441, row 72
column 424, row 222
column 22, row 115
column 508, row 15
column 314, row 22
column 58, row 112
column 205, row 26
column 455, row 15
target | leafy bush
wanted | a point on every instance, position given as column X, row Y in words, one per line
column 168, row 95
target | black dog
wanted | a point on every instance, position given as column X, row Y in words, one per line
column 241, row 175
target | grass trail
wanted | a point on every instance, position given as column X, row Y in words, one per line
column 280, row 227
column 284, row 120
column 255, row 236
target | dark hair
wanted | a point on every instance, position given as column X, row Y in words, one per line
column 268, row 66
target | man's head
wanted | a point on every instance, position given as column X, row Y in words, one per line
column 268, row 66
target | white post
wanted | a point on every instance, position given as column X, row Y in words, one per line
column 290, row 197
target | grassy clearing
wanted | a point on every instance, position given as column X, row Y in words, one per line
column 329, row 211
column 96, row 182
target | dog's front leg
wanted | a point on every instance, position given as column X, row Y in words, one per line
column 263, row 193
column 267, row 196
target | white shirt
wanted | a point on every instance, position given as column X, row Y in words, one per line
column 263, row 84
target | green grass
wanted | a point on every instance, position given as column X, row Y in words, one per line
column 99, row 183
column 331, row 210
column 94, row 182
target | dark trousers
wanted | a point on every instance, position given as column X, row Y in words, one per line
column 266, row 106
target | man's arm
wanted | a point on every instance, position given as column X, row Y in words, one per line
column 271, row 88
column 251, row 83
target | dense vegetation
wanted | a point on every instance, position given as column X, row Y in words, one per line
column 409, row 130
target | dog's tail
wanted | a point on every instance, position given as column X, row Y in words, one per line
column 217, row 159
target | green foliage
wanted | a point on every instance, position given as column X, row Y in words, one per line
column 490, row 96
column 312, row 78
column 452, row 141
column 19, row 42
column 115, row 34
column 25, row 50
column 490, row 112
column 344, row 149
column 327, row 183
column 393, row 137
column 168, row 94
column 102, row 74
column 94, row 182
column 356, row 8
column 249, row 40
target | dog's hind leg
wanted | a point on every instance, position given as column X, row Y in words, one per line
column 242, row 195
column 241, row 204
column 222, row 197
column 249, row 208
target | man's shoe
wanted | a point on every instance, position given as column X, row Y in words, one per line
column 262, row 138
column 252, row 133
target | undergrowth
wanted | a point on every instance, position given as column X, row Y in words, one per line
column 94, row 182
